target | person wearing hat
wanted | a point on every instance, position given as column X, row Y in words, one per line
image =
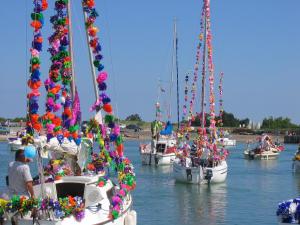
column 19, row 176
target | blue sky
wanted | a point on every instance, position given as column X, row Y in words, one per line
column 256, row 45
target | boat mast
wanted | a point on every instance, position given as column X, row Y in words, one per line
column 176, row 62
column 93, row 70
column 203, row 73
column 172, row 71
column 70, row 36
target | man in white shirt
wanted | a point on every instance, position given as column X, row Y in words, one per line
column 19, row 176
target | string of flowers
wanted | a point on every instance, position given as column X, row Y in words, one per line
column 113, row 156
column 195, row 73
column 211, row 71
column 34, row 82
column 60, row 72
column 186, row 91
column 220, row 121
column 62, row 208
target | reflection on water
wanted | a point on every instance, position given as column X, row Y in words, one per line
column 202, row 204
column 263, row 164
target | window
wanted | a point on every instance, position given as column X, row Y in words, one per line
column 69, row 189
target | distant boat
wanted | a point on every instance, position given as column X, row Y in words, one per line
column 264, row 150
column 160, row 151
column 226, row 141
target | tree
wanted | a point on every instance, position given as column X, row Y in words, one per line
column 277, row 123
column 133, row 117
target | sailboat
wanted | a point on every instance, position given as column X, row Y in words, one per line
column 202, row 162
column 76, row 186
column 162, row 148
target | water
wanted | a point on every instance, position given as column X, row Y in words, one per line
column 250, row 195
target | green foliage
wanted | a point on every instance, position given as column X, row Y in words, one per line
column 277, row 123
column 228, row 119
column 18, row 119
column 133, row 117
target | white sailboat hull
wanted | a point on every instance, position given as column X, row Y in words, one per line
column 198, row 175
column 157, row 159
column 129, row 217
column 93, row 196
column 157, row 152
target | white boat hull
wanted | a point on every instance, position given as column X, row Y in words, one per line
column 198, row 175
column 15, row 145
column 157, row 159
column 265, row 155
column 227, row 142
column 129, row 217
column 93, row 196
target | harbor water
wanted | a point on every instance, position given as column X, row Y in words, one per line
column 249, row 196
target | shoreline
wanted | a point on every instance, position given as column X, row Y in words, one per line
column 146, row 136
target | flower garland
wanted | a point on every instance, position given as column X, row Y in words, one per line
column 114, row 157
column 289, row 211
column 221, row 99
column 211, row 71
column 34, row 82
column 196, row 70
column 186, row 91
column 220, row 121
column 60, row 71
column 62, row 208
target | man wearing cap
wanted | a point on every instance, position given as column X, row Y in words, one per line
column 19, row 176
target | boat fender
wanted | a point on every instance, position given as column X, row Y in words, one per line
column 131, row 218
column 189, row 176
column 209, row 175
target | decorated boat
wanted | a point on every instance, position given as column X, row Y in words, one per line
column 202, row 161
column 289, row 211
column 161, row 150
column 264, row 150
column 78, row 185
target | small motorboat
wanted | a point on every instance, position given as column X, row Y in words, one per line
column 264, row 150
column 261, row 154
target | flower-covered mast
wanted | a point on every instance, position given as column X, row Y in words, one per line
column 220, row 122
column 110, row 142
column 34, row 82
column 59, row 84
column 211, row 72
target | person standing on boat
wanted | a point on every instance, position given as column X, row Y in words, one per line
column 19, row 176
